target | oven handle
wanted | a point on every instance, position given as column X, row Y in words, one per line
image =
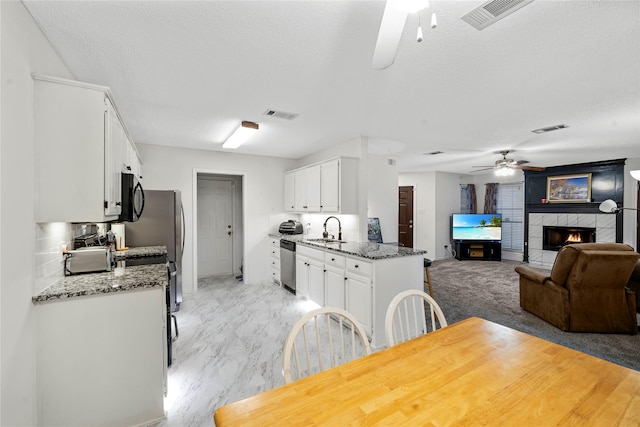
column 175, row 326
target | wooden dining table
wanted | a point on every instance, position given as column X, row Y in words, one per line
column 471, row 373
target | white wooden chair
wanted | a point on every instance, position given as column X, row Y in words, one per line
column 406, row 316
column 322, row 339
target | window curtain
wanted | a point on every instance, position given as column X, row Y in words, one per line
column 468, row 202
column 473, row 202
column 491, row 198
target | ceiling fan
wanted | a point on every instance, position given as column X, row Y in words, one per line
column 505, row 166
column 393, row 20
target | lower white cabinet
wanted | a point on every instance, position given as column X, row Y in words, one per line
column 101, row 360
column 361, row 286
column 274, row 258
column 310, row 274
column 334, row 280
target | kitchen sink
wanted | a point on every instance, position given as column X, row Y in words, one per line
column 325, row 241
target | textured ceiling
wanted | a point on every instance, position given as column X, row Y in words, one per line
column 186, row 73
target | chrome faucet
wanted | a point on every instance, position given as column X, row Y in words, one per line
column 325, row 234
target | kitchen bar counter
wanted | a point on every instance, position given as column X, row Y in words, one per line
column 125, row 279
column 368, row 250
column 121, row 279
column 140, row 252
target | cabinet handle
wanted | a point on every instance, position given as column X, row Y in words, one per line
column 356, row 266
column 118, row 203
column 333, row 259
column 128, row 168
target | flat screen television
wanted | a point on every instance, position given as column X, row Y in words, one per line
column 478, row 227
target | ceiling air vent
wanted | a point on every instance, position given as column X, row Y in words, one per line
column 280, row 114
column 492, row 11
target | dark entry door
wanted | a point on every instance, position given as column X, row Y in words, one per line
column 405, row 216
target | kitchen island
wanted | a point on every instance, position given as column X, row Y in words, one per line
column 102, row 353
column 360, row 277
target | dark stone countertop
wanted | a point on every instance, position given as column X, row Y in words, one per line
column 140, row 252
column 367, row 250
column 119, row 280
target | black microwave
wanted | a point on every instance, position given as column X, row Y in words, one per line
column 132, row 198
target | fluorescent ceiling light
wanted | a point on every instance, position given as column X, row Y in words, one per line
column 240, row 135
column 411, row 6
column 635, row 174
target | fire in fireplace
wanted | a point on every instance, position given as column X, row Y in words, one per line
column 554, row 238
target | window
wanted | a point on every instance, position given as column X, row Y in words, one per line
column 510, row 205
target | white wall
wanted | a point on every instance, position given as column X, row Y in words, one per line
column 629, row 223
column 436, row 197
column 382, row 193
column 24, row 50
column 166, row 168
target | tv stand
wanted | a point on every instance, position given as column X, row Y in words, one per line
column 484, row 251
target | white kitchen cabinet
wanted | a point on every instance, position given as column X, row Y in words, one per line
column 329, row 186
column 302, row 276
column 334, row 280
column 362, row 286
column 101, row 360
column 307, row 189
column 330, row 197
column 289, row 191
column 274, row 258
column 358, row 291
column 310, row 274
column 115, row 152
column 80, row 150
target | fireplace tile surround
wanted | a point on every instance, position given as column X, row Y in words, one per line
column 605, row 225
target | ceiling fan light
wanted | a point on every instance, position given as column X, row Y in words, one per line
column 434, row 20
column 241, row 134
column 635, row 174
column 419, row 37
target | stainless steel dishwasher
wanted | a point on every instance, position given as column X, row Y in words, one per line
column 288, row 264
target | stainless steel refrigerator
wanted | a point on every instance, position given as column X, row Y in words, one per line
column 162, row 223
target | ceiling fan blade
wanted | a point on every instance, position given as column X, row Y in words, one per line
column 389, row 36
column 480, row 170
column 529, row 168
column 483, row 166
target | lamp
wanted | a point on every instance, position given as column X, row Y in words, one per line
column 635, row 174
column 610, row 206
column 504, row 170
column 240, row 135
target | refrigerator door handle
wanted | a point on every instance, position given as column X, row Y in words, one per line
column 183, row 231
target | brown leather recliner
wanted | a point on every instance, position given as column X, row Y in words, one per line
column 586, row 291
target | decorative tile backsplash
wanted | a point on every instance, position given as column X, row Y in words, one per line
column 50, row 238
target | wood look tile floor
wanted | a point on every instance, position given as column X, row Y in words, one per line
column 230, row 346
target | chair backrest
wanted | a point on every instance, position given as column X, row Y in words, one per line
column 322, row 339
column 566, row 258
column 406, row 316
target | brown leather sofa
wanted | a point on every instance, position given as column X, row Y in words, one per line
column 634, row 284
column 586, row 290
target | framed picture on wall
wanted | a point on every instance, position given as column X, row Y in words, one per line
column 575, row 188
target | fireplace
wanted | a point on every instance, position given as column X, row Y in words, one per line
column 554, row 238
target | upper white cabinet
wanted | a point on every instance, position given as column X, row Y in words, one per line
column 81, row 147
column 289, row 191
column 329, row 186
column 307, row 189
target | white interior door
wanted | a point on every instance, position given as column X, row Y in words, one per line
column 215, row 227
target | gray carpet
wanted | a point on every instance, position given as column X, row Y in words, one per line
column 489, row 289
